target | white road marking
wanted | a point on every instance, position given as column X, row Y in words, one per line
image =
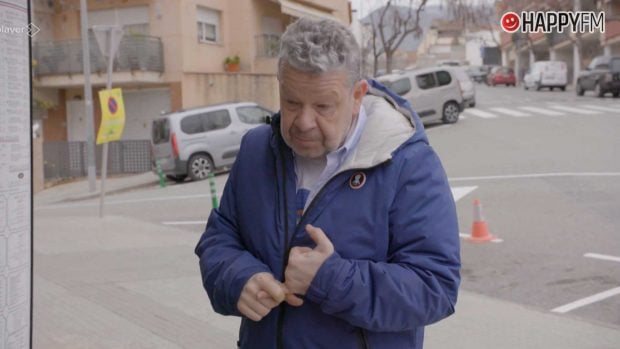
column 459, row 192
column 602, row 256
column 128, row 201
column 598, row 107
column 511, row 112
column 542, row 111
column 574, row 110
column 185, row 223
column 538, row 175
column 479, row 113
column 467, row 236
column 586, row 301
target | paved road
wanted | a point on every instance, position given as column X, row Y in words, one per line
column 555, row 197
column 545, row 167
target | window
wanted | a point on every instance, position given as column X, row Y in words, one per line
column 161, row 131
column 443, row 78
column 253, row 115
column 215, row 120
column 210, row 121
column 593, row 64
column 426, row 81
column 401, row 87
column 602, row 63
column 134, row 20
column 614, row 64
column 192, row 124
column 208, row 25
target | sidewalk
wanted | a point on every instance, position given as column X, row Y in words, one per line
column 119, row 282
column 79, row 189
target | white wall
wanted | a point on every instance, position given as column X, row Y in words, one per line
column 476, row 40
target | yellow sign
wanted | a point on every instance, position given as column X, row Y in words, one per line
column 112, row 115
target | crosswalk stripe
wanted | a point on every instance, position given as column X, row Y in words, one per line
column 542, row 111
column 597, row 107
column 479, row 113
column 459, row 192
column 574, row 110
column 511, row 112
column 184, row 223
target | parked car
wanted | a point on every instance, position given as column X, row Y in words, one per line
column 449, row 63
column 467, row 85
column 477, row 73
column 195, row 142
column 502, row 76
column 434, row 93
column 549, row 74
column 601, row 76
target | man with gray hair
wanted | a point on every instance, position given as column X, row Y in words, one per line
column 337, row 227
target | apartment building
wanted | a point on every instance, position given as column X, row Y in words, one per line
column 171, row 56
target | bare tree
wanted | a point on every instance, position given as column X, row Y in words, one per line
column 475, row 14
column 374, row 46
column 390, row 25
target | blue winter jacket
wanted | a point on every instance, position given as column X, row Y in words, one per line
column 396, row 263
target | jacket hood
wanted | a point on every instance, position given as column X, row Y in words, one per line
column 391, row 123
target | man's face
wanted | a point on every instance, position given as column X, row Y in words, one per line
column 317, row 109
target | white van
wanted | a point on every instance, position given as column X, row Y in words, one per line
column 197, row 141
column 549, row 74
column 434, row 93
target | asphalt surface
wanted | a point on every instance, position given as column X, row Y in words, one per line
column 558, row 198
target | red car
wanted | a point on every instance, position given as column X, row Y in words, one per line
column 501, row 76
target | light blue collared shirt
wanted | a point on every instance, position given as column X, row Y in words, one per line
column 313, row 174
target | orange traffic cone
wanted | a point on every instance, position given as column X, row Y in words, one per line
column 479, row 229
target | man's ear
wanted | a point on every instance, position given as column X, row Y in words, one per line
column 359, row 91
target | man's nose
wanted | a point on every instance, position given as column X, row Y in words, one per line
column 306, row 120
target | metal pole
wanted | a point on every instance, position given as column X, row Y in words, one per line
column 88, row 99
column 104, row 156
column 576, row 53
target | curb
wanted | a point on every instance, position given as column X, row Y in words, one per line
column 108, row 192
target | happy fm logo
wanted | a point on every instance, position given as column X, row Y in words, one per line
column 553, row 21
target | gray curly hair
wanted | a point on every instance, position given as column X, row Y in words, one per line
column 318, row 46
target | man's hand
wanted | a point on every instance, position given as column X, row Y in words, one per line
column 262, row 293
column 304, row 262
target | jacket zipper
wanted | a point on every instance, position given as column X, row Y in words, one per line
column 361, row 333
column 280, row 325
column 320, row 193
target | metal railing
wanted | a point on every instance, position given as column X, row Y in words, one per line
column 63, row 159
column 267, row 45
column 136, row 52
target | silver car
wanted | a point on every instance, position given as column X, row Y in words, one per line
column 434, row 93
column 197, row 141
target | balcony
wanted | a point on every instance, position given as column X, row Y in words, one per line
column 140, row 59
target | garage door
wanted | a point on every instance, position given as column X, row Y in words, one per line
column 141, row 107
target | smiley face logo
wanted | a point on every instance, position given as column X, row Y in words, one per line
column 510, row 22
